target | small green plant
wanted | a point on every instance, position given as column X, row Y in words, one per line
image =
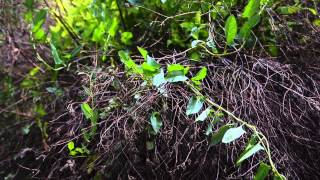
column 227, row 133
column 92, row 116
column 77, row 151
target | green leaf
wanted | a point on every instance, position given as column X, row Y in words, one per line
column 194, row 105
column 177, row 78
column 73, row 153
column 287, row 10
column 39, row 19
column 149, row 70
column 155, row 122
column 129, row 63
column 248, row 25
column 203, row 115
column 316, row 22
column 98, row 32
column 176, row 73
column 159, row 79
column 175, row 67
column 231, row 29
column 113, row 29
column 71, row 145
column 217, row 137
column 126, row 38
column 209, row 130
column 233, row 134
column 249, row 153
column 80, row 150
column 262, row 171
column 29, row 4
column 200, row 75
column 87, row 111
column 251, row 8
column 55, row 54
column 152, row 62
column 143, row 52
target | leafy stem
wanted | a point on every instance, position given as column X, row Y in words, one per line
column 262, row 138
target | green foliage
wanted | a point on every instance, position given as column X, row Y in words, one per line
column 87, row 111
column 247, row 153
column 176, row 73
column 231, row 29
column 287, row 10
column 75, row 151
column 262, row 171
column 110, row 26
column 55, row 54
column 233, row 134
column 248, row 25
column 216, row 138
column 251, row 8
column 71, row 145
column 201, row 75
column 129, row 63
column 195, row 104
column 91, row 115
column 156, row 122
column 159, row 79
column 204, row 114
column 126, row 38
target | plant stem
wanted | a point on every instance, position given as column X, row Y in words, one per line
column 262, row 137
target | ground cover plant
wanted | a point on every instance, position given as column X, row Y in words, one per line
column 159, row 89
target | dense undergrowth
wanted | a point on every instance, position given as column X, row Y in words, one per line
column 160, row 89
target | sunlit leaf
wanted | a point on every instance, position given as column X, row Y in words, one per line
column 248, row 25
column 287, row 10
column 316, row 22
column 177, row 78
column 195, row 104
column 249, row 153
column 233, row 134
column 251, row 8
column 55, row 54
column 152, row 62
column 126, row 38
column 159, row 79
column 143, row 52
column 262, row 171
column 155, row 122
column 71, row 145
column 87, row 110
column 73, row 153
column 200, row 75
column 79, row 150
column 231, row 29
column 114, row 27
column 209, row 130
column 128, row 62
column 39, row 19
column 176, row 73
column 204, row 115
column 216, row 138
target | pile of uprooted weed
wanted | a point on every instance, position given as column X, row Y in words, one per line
column 282, row 99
